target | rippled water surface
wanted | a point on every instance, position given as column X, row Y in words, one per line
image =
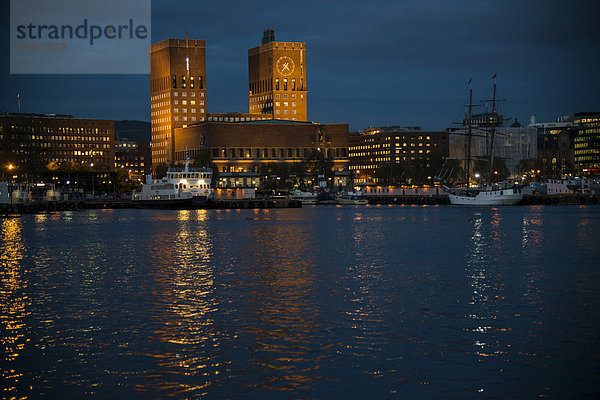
column 319, row 302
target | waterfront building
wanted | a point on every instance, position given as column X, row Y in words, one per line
column 277, row 79
column 241, row 149
column 133, row 157
column 587, row 142
column 371, row 148
column 555, row 147
column 35, row 142
column 512, row 144
column 240, row 145
column 177, row 91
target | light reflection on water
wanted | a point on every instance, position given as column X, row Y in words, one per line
column 14, row 303
column 320, row 302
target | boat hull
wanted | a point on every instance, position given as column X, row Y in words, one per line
column 172, row 204
column 505, row 197
column 352, row 202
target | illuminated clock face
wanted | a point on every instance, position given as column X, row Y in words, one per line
column 285, row 65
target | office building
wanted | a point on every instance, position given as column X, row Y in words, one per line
column 372, row 148
column 587, row 142
column 133, row 157
column 38, row 141
column 555, row 147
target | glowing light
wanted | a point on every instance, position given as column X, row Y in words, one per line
column 10, row 166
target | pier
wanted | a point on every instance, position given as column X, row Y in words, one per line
column 74, row 205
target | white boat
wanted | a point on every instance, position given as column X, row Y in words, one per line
column 351, row 198
column 485, row 196
column 181, row 187
column 306, row 198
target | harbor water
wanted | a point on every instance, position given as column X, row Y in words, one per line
column 321, row 302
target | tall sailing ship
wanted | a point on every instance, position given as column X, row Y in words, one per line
column 491, row 194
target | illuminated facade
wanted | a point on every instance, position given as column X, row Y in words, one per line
column 371, row 148
column 133, row 157
column 177, row 92
column 277, row 79
column 239, row 149
column 587, row 142
column 43, row 140
column 555, row 151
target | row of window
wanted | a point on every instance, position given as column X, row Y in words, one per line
column 168, row 94
column 60, row 129
column 184, row 82
column 48, row 145
column 59, row 138
column 185, row 118
column 272, row 153
column 185, row 110
column 236, row 119
column 267, row 85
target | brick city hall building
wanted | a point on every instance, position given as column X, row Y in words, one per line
column 277, row 79
column 276, row 129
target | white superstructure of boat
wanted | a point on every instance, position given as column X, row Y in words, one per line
column 191, row 185
column 307, row 198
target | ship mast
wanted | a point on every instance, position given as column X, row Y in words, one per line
column 491, row 154
column 469, row 136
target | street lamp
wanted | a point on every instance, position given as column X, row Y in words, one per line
column 92, row 165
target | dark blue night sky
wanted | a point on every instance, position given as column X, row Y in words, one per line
column 369, row 63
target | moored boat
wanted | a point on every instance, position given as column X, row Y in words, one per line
column 306, row 198
column 485, row 197
column 357, row 198
column 180, row 188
